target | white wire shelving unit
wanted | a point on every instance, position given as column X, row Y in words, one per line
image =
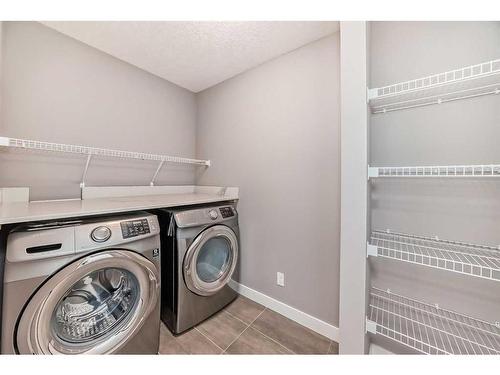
column 91, row 152
column 438, row 171
column 467, row 82
column 427, row 328
column 464, row 258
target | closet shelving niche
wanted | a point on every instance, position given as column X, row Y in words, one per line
column 428, row 328
column 467, row 82
column 423, row 327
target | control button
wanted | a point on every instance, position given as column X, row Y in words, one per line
column 101, row 234
column 213, row 214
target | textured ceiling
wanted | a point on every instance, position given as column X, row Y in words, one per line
column 195, row 55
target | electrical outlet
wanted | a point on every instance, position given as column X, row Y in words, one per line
column 280, row 278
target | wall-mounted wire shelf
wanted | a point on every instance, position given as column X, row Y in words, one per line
column 483, row 170
column 429, row 329
column 464, row 258
column 95, row 151
column 468, row 82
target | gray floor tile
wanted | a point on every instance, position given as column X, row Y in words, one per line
column 222, row 329
column 245, row 309
column 295, row 337
column 253, row 342
column 168, row 344
column 190, row 342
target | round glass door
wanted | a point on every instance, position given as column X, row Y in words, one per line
column 213, row 259
column 94, row 305
column 210, row 260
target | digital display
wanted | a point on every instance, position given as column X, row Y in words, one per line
column 134, row 228
column 226, row 212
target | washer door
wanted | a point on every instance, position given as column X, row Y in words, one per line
column 210, row 260
column 92, row 306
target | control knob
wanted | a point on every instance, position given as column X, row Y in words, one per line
column 101, row 234
column 213, row 214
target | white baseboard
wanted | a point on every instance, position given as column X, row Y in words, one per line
column 377, row 349
column 290, row 312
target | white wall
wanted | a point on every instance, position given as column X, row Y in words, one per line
column 274, row 132
column 354, row 186
column 57, row 89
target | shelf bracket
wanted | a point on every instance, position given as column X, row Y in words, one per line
column 372, row 172
column 370, row 94
column 152, row 183
column 370, row 326
column 4, row 141
column 371, row 250
column 82, row 184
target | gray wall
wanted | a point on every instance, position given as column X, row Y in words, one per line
column 274, row 132
column 463, row 132
column 57, row 89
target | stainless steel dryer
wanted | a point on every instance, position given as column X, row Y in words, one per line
column 88, row 286
column 199, row 256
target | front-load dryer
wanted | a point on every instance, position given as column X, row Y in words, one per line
column 89, row 286
column 199, row 255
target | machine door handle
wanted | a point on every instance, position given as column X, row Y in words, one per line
column 41, row 249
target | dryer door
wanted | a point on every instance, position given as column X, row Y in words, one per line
column 210, row 260
column 92, row 306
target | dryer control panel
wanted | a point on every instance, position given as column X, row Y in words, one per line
column 207, row 216
column 134, row 228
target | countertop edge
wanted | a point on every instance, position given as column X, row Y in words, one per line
column 69, row 209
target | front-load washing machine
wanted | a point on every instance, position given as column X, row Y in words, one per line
column 199, row 255
column 86, row 286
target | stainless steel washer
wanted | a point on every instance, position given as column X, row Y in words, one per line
column 200, row 250
column 88, row 286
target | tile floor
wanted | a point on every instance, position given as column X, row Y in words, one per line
column 245, row 327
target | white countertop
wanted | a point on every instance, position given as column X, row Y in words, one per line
column 18, row 212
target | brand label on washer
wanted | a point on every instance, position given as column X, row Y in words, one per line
column 156, row 253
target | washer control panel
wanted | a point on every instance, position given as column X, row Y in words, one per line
column 134, row 228
column 226, row 212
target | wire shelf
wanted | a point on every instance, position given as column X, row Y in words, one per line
column 482, row 170
column 95, row 151
column 427, row 328
column 464, row 258
column 85, row 150
column 467, row 82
